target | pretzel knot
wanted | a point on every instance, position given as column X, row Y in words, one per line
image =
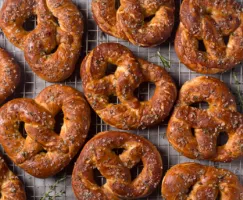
column 210, row 21
column 10, row 185
column 220, row 117
column 131, row 21
column 130, row 73
column 99, row 153
column 53, row 47
column 43, row 153
column 205, row 182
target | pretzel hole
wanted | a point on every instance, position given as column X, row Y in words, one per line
column 43, row 151
column 222, row 139
column 219, row 196
column 30, row 23
column 114, row 100
column 193, row 132
column 189, row 190
column 118, row 151
column 110, row 69
column 201, row 105
column 136, row 170
column 117, row 4
column 201, row 46
column 149, row 18
column 226, row 40
column 54, row 50
column 145, row 91
column 58, row 122
column 98, row 178
column 56, row 20
column 22, row 129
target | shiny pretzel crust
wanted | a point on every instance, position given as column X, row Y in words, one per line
column 98, row 153
column 189, row 181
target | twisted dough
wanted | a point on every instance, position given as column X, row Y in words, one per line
column 206, row 183
column 128, row 22
column 210, row 21
column 130, row 73
column 43, row 152
column 59, row 25
column 221, row 116
column 98, row 153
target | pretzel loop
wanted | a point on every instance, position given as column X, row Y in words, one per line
column 129, row 20
column 210, row 21
column 205, row 182
column 52, row 48
column 98, row 153
column 221, row 116
column 43, row 152
column 130, row 73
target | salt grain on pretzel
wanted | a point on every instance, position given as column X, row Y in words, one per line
column 210, row 21
column 221, row 117
column 59, row 25
column 130, row 73
column 98, row 153
column 189, row 181
column 128, row 22
column 43, row 152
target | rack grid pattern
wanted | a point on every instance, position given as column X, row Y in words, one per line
column 31, row 85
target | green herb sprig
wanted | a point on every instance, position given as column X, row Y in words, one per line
column 237, row 82
column 48, row 196
column 165, row 61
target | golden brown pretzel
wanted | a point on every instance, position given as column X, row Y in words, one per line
column 206, row 183
column 221, row 116
column 10, row 75
column 11, row 187
column 98, row 153
column 43, row 153
column 130, row 73
column 210, row 21
column 59, row 24
column 128, row 22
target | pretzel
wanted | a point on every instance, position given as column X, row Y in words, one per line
column 205, row 182
column 11, row 187
column 59, row 25
column 210, row 21
column 130, row 73
column 221, row 116
column 98, row 153
column 44, row 153
column 10, row 75
column 129, row 21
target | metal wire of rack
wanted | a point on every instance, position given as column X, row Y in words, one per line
column 31, row 85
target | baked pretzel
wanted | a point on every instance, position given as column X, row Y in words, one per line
column 59, row 25
column 130, row 73
column 11, row 187
column 43, row 153
column 128, row 22
column 98, row 153
column 189, row 181
column 10, row 75
column 221, row 116
column 210, row 21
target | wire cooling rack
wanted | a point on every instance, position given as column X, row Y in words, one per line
column 31, row 85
